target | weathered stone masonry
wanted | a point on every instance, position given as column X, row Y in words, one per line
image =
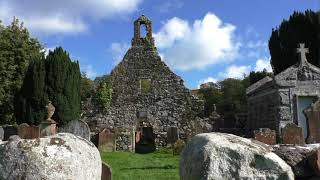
column 146, row 91
column 275, row 102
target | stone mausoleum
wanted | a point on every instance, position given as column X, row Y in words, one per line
column 277, row 101
column 149, row 99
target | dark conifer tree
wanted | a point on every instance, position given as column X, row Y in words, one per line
column 300, row 28
column 63, row 85
column 31, row 101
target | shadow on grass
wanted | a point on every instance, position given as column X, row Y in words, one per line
column 151, row 167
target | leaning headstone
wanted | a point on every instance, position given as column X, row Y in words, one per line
column 172, row 135
column 106, row 172
column 9, row 131
column 265, row 135
column 292, row 134
column 312, row 114
column 106, row 141
column 78, row 128
column 1, row 133
column 28, row 132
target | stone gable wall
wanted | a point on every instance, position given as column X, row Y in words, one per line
column 168, row 103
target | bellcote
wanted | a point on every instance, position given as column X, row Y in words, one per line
column 138, row 40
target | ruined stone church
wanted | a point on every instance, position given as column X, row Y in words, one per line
column 277, row 101
column 147, row 94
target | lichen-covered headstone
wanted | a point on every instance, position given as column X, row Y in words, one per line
column 265, row 135
column 292, row 134
column 106, row 141
column 78, row 128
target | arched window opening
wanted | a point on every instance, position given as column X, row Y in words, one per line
column 143, row 31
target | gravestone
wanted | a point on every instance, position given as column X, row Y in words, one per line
column 312, row 114
column 9, row 131
column 265, row 135
column 28, row 132
column 106, row 172
column 172, row 135
column 1, row 133
column 48, row 127
column 105, row 141
column 292, row 134
column 77, row 128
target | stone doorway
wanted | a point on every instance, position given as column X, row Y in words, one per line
column 302, row 103
column 145, row 140
column 145, row 137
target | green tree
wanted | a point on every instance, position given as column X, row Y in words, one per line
column 256, row 76
column 86, row 88
column 31, row 101
column 63, row 85
column 17, row 50
column 211, row 96
column 300, row 28
column 103, row 94
column 234, row 96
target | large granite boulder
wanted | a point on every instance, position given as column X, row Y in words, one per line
column 217, row 156
column 59, row 157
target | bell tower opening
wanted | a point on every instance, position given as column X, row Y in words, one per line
column 143, row 32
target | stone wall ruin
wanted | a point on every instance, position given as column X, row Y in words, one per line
column 146, row 93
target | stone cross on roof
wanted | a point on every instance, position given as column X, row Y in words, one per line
column 303, row 51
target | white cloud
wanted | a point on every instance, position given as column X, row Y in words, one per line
column 118, row 50
column 263, row 64
column 208, row 79
column 174, row 30
column 235, row 71
column 170, row 6
column 90, row 72
column 208, row 41
column 62, row 16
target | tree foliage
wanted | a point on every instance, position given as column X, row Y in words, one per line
column 17, row 50
column 256, row 76
column 86, row 87
column 63, row 85
column 228, row 95
column 55, row 78
column 31, row 101
column 300, row 28
column 103, row 94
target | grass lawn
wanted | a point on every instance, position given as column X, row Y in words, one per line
column 160, row 165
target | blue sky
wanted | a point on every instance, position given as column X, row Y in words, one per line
column 206, row 40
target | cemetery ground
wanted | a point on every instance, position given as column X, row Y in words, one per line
column 159, row 165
